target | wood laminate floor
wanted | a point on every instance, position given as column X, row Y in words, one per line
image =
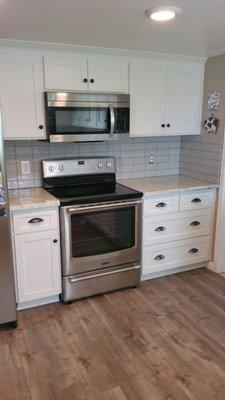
column 162, row 341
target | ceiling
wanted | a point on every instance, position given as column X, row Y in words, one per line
column 199, row 30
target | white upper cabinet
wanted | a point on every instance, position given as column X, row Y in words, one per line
column 166, row 99
column 81, row 74
column 21, row 96
column 184, row 100
column 108, row 76
column 65, row 73
column 147, row 103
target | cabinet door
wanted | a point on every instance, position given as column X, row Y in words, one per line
column 65, row 73
column 184, row 99
column 108, row 76
column 147, row 102
column 21, row 92
column 38, row 265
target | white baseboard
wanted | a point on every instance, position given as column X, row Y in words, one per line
column 173, row 271
column 37, row 303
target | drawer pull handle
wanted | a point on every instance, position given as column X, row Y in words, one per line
column 159, row 257
column 36, row 220
column 196, row 200
column 195, row 223
column 161, row 205
column 160, row 229
column 193, row 251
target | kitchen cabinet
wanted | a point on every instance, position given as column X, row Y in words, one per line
column 36, row 243
column 177, row 230
column 166, row 99
column 82, row 74
column 65, row 73
column 21, row 96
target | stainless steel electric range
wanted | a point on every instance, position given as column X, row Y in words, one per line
column 100, row 226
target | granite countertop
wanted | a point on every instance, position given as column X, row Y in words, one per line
column 25, row 199
column 167, row 184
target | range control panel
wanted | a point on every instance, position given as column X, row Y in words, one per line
column 78, row 166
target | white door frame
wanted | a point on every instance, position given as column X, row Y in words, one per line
column 219, row 250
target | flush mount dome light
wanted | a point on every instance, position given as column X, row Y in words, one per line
column 162, row 13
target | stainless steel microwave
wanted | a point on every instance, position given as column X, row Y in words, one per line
column 86, row 117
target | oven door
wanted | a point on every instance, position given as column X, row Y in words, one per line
column 100, row 236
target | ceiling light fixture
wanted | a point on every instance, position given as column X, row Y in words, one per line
column 162, row 13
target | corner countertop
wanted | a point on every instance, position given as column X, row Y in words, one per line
column 26, row 199
column 167, row 184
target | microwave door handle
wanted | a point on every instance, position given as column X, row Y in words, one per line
column 112, row 120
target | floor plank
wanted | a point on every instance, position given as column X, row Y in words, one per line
column 161, row 341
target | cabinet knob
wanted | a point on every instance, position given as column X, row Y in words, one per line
column 168, row 125
column 55, row 241
column 85, row 80
column 41, row 126
column 163, row 125
column 92, row 80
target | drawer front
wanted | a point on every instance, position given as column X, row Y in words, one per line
column 175, row 254
column 160, row 205
column 183, row 225
column 35, row 221
column 197, row 200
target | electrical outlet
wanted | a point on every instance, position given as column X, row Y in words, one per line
column 151, row 159
column 25, row 167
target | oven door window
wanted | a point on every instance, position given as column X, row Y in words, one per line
column 102, row 232
column 82, row 120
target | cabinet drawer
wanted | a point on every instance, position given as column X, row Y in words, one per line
column 197, row 200
column 175, row 254
column 35, row 221
column 182, row 225
column 161, row 205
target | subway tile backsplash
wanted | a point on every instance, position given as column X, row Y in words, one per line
column 200, row 157
column 131, row 154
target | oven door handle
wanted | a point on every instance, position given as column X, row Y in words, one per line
column 104, row 206
column 74, row 279
column 112, row 120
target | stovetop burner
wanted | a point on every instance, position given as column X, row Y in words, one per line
column 76, row 181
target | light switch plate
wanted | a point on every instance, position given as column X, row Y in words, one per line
column 25, row 167
column 151, row 159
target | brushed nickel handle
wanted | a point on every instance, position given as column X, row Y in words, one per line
column 74, row 279
column 36, row 220
column 112, row 119
column 159, row 257
column 160, row 229
column 103, row 206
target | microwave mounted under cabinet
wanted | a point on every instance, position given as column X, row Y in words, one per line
column 81, row 117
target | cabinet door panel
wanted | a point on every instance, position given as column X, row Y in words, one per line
column 108, row 76
column 38, row 265
column 184, row 100
column 21, row 91
column 65, row 73
column 148, row 92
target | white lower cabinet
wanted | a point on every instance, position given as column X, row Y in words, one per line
column 175, row 254
column 37, row 257
column 179, row 233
